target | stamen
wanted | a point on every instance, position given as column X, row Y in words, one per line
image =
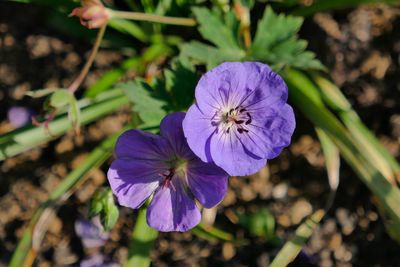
column 249, row 120
column 241, row 130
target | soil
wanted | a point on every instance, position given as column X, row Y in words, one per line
column 361, row 49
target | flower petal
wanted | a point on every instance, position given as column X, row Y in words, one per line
column 228, row 152
column 270, row 132
column 207, row 182
column 220, row 86
column 171, row 129
column 173, row 209
column 136, row 144
column 133, row 181
column 266, row 88
column 198, row 131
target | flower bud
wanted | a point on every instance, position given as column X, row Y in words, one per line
column 92, row 14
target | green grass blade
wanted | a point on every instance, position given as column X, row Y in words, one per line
column 299, row 93
column 142, row 241
column 366, row 141
column 293, row 247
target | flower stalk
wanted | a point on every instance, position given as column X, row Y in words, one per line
column 151, row 18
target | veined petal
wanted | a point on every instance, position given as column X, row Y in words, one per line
column 173, row 209
column 133, row 181
column 207, row 182
column 270, row 132
column 171, row 129
column 136, row 144
column 266, row 88
column 220, row 87
column 228, row 152
column 198, row 130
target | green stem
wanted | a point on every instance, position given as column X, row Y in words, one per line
column 152, row 18
column 142, row 241
column 29, row 137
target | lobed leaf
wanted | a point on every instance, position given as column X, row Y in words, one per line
column 149, row 105
column 213, row 29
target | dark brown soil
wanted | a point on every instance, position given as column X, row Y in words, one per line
column 361, row 49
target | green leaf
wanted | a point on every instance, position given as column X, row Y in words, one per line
column 147, row 102
column 180, row 82
column 111, row 77
column 103, row 204
column 42, row 92
column 212, row 56
column 213, row 29
column 276, row 42
column 332, row 158
column 59, row 99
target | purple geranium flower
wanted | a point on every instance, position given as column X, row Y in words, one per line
column 240, row 118
column 164, row 165
column 91, row 232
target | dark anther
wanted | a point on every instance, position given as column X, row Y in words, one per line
column 243, row 110
column 230, row 111
column 238, row 121
column 241, row 130
column 227, row 130
column 249, row 120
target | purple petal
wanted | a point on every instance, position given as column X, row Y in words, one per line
column 19, row 116
column 173, row 209
column 220, row 86
column 270, row 132
column 91, row 232
column 198, row 131
column 97, row 260
column 266, row 89
column 133, row 181
column 228, row 152
column 171, row 129
column 136, row 144
column 207, row 182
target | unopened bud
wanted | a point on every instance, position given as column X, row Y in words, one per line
column 92, row 14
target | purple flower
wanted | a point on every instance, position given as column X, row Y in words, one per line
column 91, row 232
column 97, row 260
column 19, row 116
column 240, row 118
column 164, row 165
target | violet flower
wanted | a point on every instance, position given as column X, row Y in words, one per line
column 164, row 165
column 97, row 260
column 240, row 118
column 19, row 116
column 91, row 232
